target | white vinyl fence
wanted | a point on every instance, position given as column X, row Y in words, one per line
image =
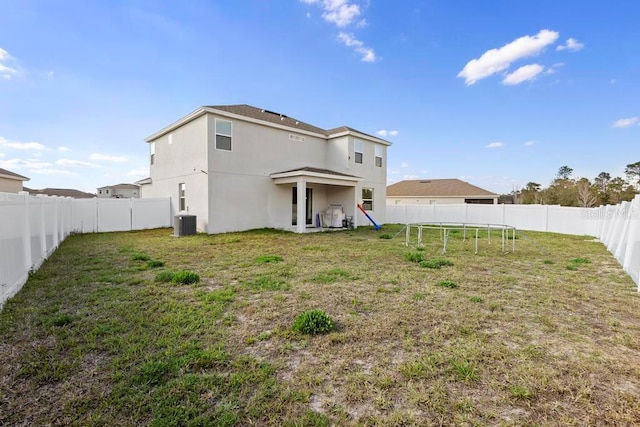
column 618, row 226
column 32, row 227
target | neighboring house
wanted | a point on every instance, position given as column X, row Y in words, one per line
column 11, row 182
column 119, row 191
column 238, row 167
column 437, row 191
column 61, row 192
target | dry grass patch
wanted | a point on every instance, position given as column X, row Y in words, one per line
column 94, row 339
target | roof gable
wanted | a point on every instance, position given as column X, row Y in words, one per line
column 12, row 175
column 435, row 188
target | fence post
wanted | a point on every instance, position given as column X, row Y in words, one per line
column 26, row 235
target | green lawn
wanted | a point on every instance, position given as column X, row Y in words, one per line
column 548, row 335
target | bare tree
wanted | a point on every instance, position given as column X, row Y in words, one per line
column 586, row 196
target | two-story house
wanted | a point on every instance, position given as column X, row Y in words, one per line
column 238, row 167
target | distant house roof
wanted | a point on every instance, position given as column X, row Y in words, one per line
column 120, row 187
column 12, row 175
column 263, row 115
column 61, row 192
column 436, row 188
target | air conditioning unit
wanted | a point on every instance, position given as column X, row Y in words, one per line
column 184, row 225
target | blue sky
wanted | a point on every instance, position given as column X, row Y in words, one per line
column 495, row 92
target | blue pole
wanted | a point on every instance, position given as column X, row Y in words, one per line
column 376, row 226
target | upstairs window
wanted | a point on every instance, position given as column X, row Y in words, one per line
column 182, row 200
column 223, row 135
column 379, row 156
column 358, row 149
column 152, row 150
column 367, row 199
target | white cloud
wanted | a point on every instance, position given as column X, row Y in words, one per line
column 29, row 164
column 410, row 177
column 384, row 132
column 75, row 163
column 63, row 148
column 522, row 74
column 338, row 12
column 2, row 154
column 529, row 143
column 404, row 165
column 628, row 122
column 6, row 71
column 21, row 145
column 494, row 145
column 496, row 60
column 368, row 55
column 54, row 172
column 107, row 158
column 571, row 45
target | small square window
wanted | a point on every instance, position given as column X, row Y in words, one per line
column 378, row 156
column 367, row 199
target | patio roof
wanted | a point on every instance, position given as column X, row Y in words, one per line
column 316, row 176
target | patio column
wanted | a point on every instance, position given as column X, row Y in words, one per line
column 301, row 225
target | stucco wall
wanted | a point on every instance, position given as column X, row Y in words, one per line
column 10, row 185
column 181, row 157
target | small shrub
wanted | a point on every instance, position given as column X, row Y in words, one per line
column 579, row 260
column 385, row 236
column 475, row 299
column 520, row 392
column 266, row 259
column 313, row 322
column 139, row 256
column 548, row 262
column 185, row 277
column 60, row 320
column 165, row 276
column 152, row 263
column 414, row 256
column 447, row 284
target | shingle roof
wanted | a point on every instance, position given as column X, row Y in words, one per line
column 317, row 170
column 12, row 175
column 61, row 192
column 435, row 188
column 121, row 187
column 281, row 119
column 268, row 116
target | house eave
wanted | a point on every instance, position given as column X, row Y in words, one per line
column 314, row 177
column 359, row 136
column 16, row 178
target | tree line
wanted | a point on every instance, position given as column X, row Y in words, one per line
column 564, row 190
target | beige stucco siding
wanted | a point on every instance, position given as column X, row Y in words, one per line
column 10, row 185
column 181, row 157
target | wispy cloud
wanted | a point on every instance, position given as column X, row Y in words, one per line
column 404, row 165
column 522, row 74
column 384, row 132
column 6, row 71
column 496, row 144
column 529, row 143
column 28, row 164
column 572, row 45
column 63, row 148
column 368, row 55
column 75, row 163
column 342, row 14
column 107, row 158
column 410, row 176
column 338, row 12
column 16, row 145
column 628, row 122
column 499, row 59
